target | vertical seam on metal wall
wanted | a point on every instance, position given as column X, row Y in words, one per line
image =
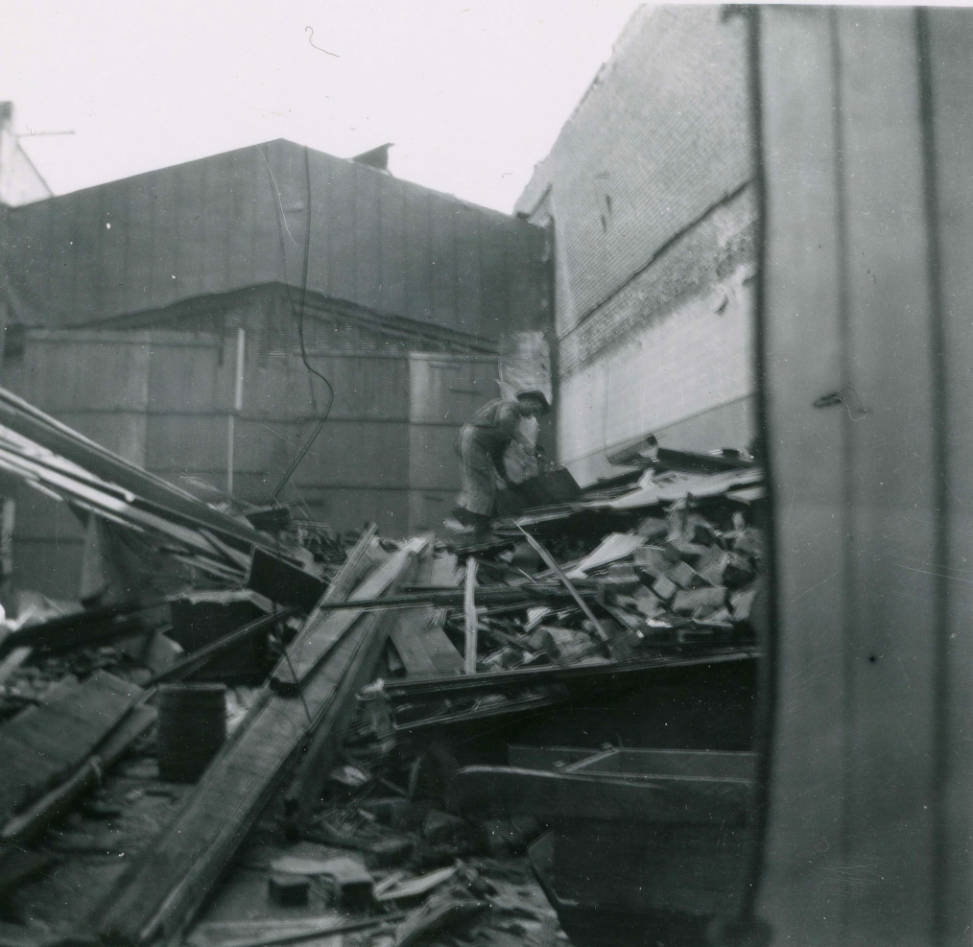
column 767, row 677
column 940, row 407
column 847, row 509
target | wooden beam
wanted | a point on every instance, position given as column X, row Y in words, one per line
column 418, row 636
column 323, row 629
column 551, row 563
column 44, row 745
column 649, row 799
column 26, row 825
column 160, row 892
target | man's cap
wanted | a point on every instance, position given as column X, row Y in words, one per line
column 535, row 395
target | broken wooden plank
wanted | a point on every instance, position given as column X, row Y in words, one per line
column 28, row 824
column 416, row 887
column 406, row 637
column 323, row 629
column 445, row 571
column 418, row 636
column 708, row 600
column 613, row 547
column 43, row 745
column 329, row 732
column 87, row 628
column 12, row 662
column 159, row 893
column 470, row 623
column 551, row 563
column 648, row 799
column 601, row 668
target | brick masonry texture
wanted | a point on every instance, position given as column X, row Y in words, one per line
column 648, row 196
column 693, row 264
column 695, row 361
column 659, row 139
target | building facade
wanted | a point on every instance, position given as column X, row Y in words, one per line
column 649, row 201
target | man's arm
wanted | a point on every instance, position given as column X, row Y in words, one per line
column 507, row 421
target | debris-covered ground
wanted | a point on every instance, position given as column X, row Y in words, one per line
column 314, row 740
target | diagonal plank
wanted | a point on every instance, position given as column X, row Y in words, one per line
column 327, row 627
column 46, row 744
column 160, row 892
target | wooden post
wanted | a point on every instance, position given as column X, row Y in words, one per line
column 469, row 612
column 241, row 345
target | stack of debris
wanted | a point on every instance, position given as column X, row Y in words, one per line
column 358, row 656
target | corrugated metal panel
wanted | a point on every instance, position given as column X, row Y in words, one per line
column 395, row 239
column 417, row 262
column 448, row 389
column 191, row 376
column 443, row 263
column 369, row 247
column 213, row 226
column 365, row 386
column 869, row 230
column 66, row 374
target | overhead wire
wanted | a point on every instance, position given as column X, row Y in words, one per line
column 299, row 313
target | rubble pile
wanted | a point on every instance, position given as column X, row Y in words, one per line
column 305, row 703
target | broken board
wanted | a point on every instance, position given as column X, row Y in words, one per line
column 158, row 894
column 418, row 636
column 44, row 745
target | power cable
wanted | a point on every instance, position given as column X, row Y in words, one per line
column 298, row 313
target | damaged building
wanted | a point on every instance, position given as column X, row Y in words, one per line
column 702, row 679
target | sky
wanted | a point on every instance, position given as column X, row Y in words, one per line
column 472, row 92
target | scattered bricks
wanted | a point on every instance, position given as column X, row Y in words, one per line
column 749, row 542
column 568, row 645
column 653, row 527
column 390, row 852
column 711, row 566
column 351, row 884
column 741, row 603
column 288, row 890
column 686, row 551
column 621, row 575
column 647, row 604
column 737, row 571
column 664, row 588
column 652, row 560
column 699, row 531
column 686, row 577
column 699, row 601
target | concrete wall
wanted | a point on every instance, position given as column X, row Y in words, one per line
column 648, row 200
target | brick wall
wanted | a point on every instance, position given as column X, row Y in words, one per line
column 648, row 197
